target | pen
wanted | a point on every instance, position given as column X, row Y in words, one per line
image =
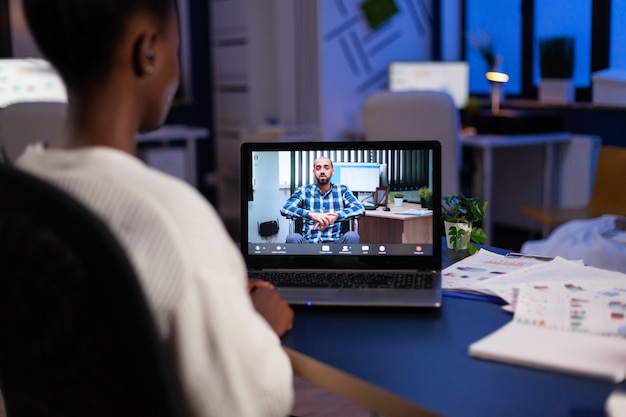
column 528, row 255
column 476, row 297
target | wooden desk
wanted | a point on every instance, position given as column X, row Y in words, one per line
column 378, row 226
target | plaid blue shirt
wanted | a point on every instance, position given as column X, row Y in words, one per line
column 306, row 199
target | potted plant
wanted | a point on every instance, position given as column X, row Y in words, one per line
column 426, row 196
column 398, row 199
column 556, row 62
column 459, row 214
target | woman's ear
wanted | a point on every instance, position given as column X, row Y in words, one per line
column 144, row 55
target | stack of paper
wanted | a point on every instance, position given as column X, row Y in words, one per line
column 415, row 212
column 568, row 317
column 473, row 273
column 575, row 353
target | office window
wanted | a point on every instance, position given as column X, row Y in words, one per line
column 501, row 21
column 618, row 34
column 284, row 170
column 573, row 18
column 598, row 27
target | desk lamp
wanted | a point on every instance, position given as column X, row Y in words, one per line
column 496, row 79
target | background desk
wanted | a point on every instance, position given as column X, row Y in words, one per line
column 563, row 175
column 168, row 163
column 389, row 227
column 423, row 357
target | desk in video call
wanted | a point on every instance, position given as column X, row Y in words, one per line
column 390, row 227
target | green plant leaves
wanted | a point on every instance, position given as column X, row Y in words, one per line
column 462, row 209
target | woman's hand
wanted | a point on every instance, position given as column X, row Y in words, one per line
column 269, row 304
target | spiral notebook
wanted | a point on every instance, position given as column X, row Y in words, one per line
column 393, row 243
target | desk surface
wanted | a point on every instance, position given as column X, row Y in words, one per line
column 394, row 211
column 423, row 357
column 170, row 132
column 490, row 141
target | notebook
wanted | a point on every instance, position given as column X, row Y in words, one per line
column 399, row 245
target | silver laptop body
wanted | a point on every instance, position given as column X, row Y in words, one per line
column 402, row 240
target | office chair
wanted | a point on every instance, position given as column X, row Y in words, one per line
column 24, row 123
column 608, row 196
column 296, row 223
column 77, row 336
column 418, row 115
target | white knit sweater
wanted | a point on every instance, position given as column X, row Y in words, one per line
column 230, row 362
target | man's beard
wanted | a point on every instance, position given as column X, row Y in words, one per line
column 323, row 181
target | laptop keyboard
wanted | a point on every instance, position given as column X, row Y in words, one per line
column 317, row 279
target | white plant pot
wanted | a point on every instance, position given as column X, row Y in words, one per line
column 465, row 238
column 556, row 90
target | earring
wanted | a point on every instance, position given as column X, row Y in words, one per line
column 149, row 69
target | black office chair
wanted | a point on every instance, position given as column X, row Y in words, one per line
column 77, row 336
column 296, row 224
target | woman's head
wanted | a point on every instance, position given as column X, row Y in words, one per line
column 92, row 42
column 79, row 37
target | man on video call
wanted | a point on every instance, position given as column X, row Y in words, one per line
column 322, row 207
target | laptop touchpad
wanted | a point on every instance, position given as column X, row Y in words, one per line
column 309, row 293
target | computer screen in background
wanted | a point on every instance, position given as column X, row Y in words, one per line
column 358, row 177
column 452, row 77
column 29, row 79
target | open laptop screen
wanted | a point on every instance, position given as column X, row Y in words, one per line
column 275, row 179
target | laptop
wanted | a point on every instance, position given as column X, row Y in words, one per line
column 397, row 260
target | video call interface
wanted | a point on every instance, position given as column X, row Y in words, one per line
column 373, row 176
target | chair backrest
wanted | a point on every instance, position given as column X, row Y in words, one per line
column 350, row 225
column 418, row 115
column 77, row 336
column 24, row 123
column 609, row 194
